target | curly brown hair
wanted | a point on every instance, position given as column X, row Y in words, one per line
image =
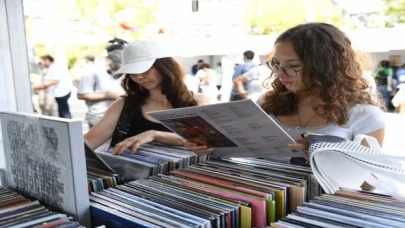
column 331, row 74
column 173, row 86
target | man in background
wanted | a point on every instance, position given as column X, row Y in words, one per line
column 98, row 88
column 196, row 67
column 240, row 70
column 46, row 102
column 58, row 83
column 255, row 78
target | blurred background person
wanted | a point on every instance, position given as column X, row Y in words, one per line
column 196, row 67
column 59, row 84
column 97, row 86
column 383, row 78
column 399, row 99
column 367, row 65
column 241, row 69
column 254, row 78
column 208, row 81
column 46, row 102
column 218, row 70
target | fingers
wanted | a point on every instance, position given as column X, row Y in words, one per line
column 116, row 149
column 122, row 146
column 188, row 144
column 135, row 146
column 204, row 152
column 300, row 146
column 132, row 143
column 201, row 150
column 297, row 146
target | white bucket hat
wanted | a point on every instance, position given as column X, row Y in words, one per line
column 139, row 56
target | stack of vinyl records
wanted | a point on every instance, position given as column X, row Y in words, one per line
column 17, row 211
column 349, row 208
column 218, row 193
column 149, row 159
column 99, row 175
column 98, row 180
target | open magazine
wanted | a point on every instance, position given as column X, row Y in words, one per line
column 233, row 129
column 337, row 162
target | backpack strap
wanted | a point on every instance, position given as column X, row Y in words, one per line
column 122, row 127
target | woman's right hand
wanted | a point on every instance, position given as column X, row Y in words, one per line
column 199, row 150
column 302, row 144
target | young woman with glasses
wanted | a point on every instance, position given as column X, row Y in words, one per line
column 319, row 87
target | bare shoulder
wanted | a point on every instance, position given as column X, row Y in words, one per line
column 202, row 99
column 118, row 102
column 116, row 106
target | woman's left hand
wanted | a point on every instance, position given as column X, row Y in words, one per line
column 199, row 150
column 301, row 144
column 134, row 142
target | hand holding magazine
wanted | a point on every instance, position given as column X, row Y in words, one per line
column 337, row 162
column 233, row 129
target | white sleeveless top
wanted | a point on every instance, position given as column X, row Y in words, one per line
column 363, row 119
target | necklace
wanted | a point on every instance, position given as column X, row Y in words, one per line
column 299, row 119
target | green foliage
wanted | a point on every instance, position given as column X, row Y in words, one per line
column 72, row 62
column 395, row 11
column 275, row 16
column 105, row 18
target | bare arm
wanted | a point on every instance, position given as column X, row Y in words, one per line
column 168, row 138
column 46, row 85
column 104, row 128
column 134, row 142
column 98, row 96
column 86, row 89
column 238, row 83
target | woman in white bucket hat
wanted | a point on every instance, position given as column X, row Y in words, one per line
column 153, row 81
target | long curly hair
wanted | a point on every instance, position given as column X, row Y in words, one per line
column 331, row 74
column 173, row 86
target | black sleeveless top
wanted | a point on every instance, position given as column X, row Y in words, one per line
column 140, row 124
column 131, row 124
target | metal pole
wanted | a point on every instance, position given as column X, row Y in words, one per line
column 15, row 49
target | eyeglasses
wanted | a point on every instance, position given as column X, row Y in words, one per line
column 289, row 71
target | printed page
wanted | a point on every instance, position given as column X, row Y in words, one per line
column 233, row 129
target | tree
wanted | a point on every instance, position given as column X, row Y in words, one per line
column 96, row 22
column 274, row 16
column 395, row 11
column 115, row 18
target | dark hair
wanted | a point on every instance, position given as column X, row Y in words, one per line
column 173, row 86
column 331, row 74
column 200, row 61
column 384, row 63
column 116, row 44
column 115, row 57
column 219, row 64
column 90, row 58
column 249, row 54
column 48, row 57
column 204, row 65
